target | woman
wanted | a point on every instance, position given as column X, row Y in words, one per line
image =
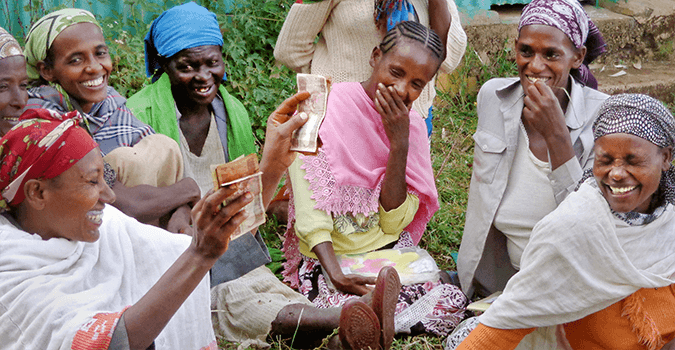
column 13, row 81
column 77, row 273
column 532, row 141
column 69, row 65
column 348, row 30
column 372, row 187
column 587, row 265
column 186, row 100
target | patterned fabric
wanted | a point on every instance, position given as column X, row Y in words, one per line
column 461, row 332
column 447, row 300
column 43, row 33
column 647, row 118
column 8, row 45
column 395, row 11
column 181, row 27
column 571, row 19
column 636, row 114
column 97, row 333
column 42, row 146
column 110, row 122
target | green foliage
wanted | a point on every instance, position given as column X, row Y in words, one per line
column 250, row 33
column 452, row 150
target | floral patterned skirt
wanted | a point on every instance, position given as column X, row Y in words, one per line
column 430, row 307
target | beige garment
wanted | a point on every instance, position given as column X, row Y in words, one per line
column 199, row 167
column 347, row 38
column 528, row 198
column 500, row 107
column 247, row 305
column 154, row 161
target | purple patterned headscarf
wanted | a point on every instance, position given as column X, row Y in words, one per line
column 571, row 19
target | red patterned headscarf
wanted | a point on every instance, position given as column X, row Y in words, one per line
column 42, row 146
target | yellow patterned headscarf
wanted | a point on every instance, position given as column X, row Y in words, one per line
column 8, row 45
column 46, row 29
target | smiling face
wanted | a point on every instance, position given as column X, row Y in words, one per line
column 628, row 170
column 13, row 91
column 80, row 64
column 195, row 74
column 545, row 53
column 74, row 200
column 407, row 67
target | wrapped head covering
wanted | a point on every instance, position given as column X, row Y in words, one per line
column 42, row 146
column 635, row 114
column 647, row 118
column 179, row 28
column 43, row 33
column 569, row 17
column 8, row 45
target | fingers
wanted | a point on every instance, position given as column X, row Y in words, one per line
column 294, row 123
column 286, row 108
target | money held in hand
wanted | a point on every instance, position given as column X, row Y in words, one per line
column 245, row 172
column 305, row 138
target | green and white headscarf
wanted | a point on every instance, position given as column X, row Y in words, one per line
column 45, row 30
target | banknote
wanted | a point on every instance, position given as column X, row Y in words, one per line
column 305, row 139
column 245, row 172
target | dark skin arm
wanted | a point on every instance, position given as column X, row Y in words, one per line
column 544, row 121
column 277, row 156
column 352, row 284
column 147, row 203
column 440, row 19
column 396, row 122
column 211, row 235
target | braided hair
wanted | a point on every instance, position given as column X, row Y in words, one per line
column 417, row 32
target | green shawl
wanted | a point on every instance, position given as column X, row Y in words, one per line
column 155, row 106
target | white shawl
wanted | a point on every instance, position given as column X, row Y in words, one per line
column 51, row 289
column 582, row 259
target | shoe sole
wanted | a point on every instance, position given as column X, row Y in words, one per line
column 385, row 297
column 359, row 326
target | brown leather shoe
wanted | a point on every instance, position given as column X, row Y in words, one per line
column 385, row 297
column 359, row 326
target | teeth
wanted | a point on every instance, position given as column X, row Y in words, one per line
column 533, row 79
column 621, row 190
column 11, row 119
column 92, row 83
column 95, row 216
column 202, row 90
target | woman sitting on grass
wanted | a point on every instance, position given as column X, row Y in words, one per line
column 69, row 65
column 371, row 186
column 603, row 263
column 532, row 141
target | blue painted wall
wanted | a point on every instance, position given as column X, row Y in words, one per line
column 17, row 15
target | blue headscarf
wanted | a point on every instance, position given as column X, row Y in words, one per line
column 179, row 28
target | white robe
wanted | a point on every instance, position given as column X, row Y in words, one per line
column 51, row 289
column 581, row 259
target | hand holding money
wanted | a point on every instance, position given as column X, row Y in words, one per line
column 277, row 156
column 306, row 139
column 243, row 174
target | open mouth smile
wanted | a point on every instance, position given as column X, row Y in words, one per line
column 204, row 90
column 93, row 83
column 535, row 79
column 620, row 190
column 95, row 216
